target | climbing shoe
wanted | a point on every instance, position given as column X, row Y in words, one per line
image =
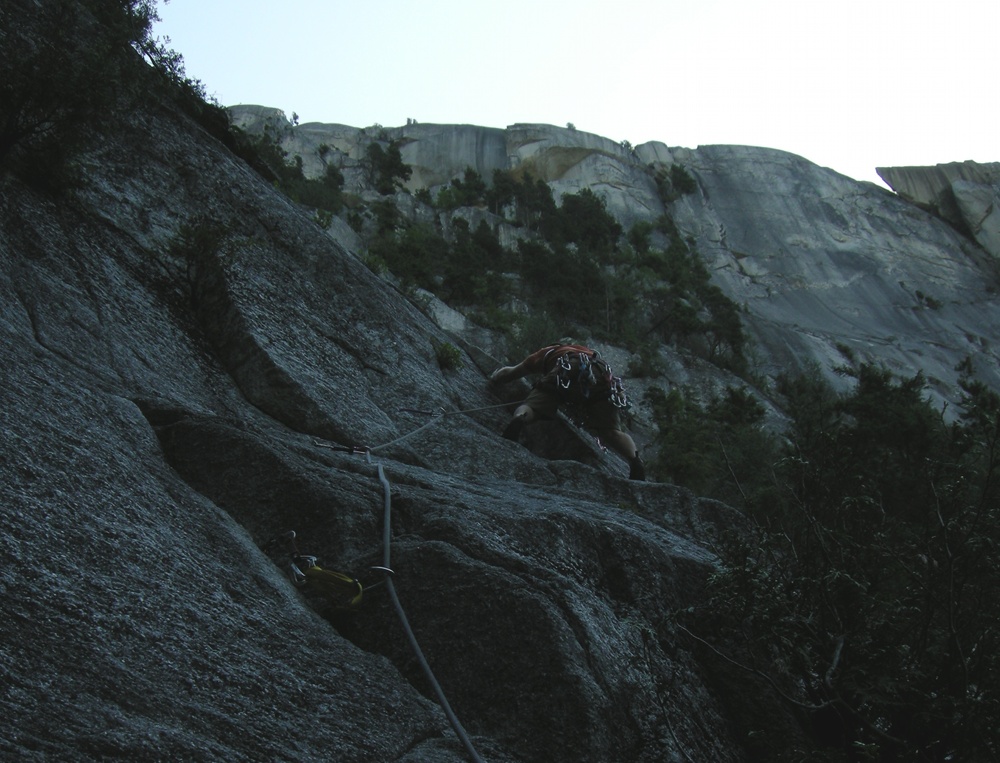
column 513, row 429
column 636, row 469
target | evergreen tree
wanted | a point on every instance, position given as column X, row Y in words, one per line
column 66, row 65
column 862, row 586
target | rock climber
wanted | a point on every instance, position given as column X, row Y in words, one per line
column 574, row 377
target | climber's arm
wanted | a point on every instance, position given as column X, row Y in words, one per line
column 508, row 373
column 533, row 364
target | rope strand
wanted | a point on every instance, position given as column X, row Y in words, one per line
column 435, row 414
column 391, row 588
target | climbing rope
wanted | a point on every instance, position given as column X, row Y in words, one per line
column 386, row 543
column 387, row 572
column 443, row 412
column 435, row 415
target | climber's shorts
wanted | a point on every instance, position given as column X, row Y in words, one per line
column 596, row 415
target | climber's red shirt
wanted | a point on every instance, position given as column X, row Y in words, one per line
column 544, row 360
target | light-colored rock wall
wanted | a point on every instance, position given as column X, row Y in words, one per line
column 439, row 153
column 828, row 271
column 966, row 194
column 827, row 268
column 924, row 185
column 571, row 160
column 567, row 159
column 979, row 206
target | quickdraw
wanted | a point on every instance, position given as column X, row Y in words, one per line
column 564, row 368
column 585, row 379
column 618, row 397
column 342, row 590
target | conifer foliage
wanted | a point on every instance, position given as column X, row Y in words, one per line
column 64, row 66
column 863, row 587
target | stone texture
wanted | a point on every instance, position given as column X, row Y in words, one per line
column 570, row 160
column 439, row 153
column 966, row 194
column 979, row 206
column 165, row 415
column 925, row 185
column 567, row 159
column 831, row 271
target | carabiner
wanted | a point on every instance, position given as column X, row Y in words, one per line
column 563, row 368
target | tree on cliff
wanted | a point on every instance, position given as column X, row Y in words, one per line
column 385, row 166
column 65, row 66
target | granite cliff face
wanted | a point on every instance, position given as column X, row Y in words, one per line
column 189, row 360
column 966, row 194
column 828, row 271
column 832, row 271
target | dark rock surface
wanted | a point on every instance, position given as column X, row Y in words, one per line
column 192, row 367
column 184, row 350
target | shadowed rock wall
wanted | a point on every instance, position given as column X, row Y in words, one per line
column 184, row 349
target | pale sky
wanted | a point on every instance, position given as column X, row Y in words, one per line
column 847, row 84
